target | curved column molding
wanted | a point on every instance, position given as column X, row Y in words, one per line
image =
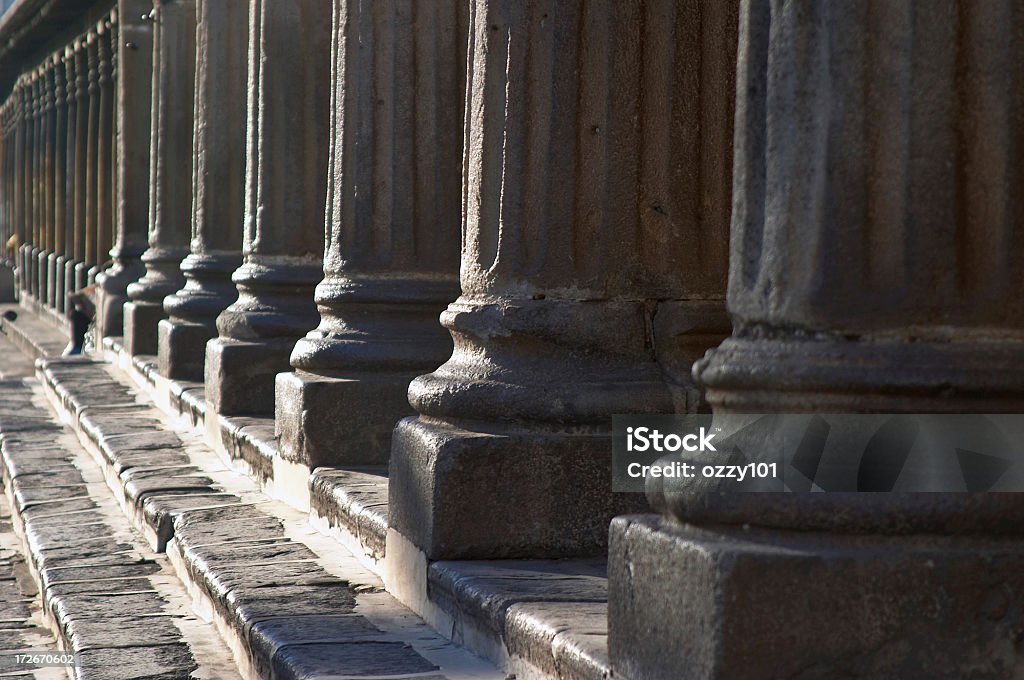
column 218, row 176
column 873, row 270
column 392, row 254
column 170, row 195
column 285, row 196
column 596, row 198
column 134, row 100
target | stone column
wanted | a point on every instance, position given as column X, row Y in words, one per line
column 105, row 160
column 170, row 195
column 394, row 223
column 27, row 170
column 596, row 198
column 20, row 166
column 71, row 209
column 60, row 174
column 218, row 175
column 873, row 269
column 286, row 171
column 134, row 87
column 91, row 105
column 48, row 123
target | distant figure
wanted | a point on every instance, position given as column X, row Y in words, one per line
column 7, row 292
column 81, row 318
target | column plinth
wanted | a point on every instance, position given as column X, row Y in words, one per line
column 393, row 221
column 218, row 168
column 593, row 270
column 170, row 196
column 285, row 196
column 871, row 272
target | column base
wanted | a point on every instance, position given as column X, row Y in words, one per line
column 7, row 287
column 112, row 294
column 140, row 327
column 61, row 286
column 459, row 494
column 181, row 351
column 240, row 374
column 697, row 604
column 339, row 421
column 51, row 280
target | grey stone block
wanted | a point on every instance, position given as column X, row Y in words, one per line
column 140, row 327
column 458, row 494
column 324, row 421
column 688, row 603
column 240, row 374
column 181, row 348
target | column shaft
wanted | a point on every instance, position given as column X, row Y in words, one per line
column 391, row 262
column 105, row 159
column 60, row 177
column 286, row 167
column 218, row 175
column 134, row 100
column 596, row 199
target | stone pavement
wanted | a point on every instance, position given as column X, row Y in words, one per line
column 287, row 601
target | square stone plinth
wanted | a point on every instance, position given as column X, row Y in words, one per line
column 239, row 374
column 688, row 603
column 459, row 494
column 181, row 352
column 140, row 327
column 339, row 421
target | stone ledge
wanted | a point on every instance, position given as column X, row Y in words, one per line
column 521, row 615
column 31, row 334
column 104, row 596
column 236, row 550
column 534, row 617
column 355, row 500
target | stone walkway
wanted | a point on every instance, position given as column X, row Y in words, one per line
column 177, row 537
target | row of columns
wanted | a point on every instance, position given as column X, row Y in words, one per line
column 872, row 198
column 58, row 189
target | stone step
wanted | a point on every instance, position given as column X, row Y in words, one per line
column 534, row 619
column 103, row 593
column 289, row 601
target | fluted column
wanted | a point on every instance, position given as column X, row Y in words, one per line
column 67, row 191
column 874, row 268
column 134, row 88
column 47, row 147
column 394, row 222
column 105, row 144
column 170, row 194
column 286, row 170
column 596, row 206
column 60, row 177
column 218, row 175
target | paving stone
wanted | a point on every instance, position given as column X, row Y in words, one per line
column 161, row 662
column 357, row 659
column 122, row 631
column 247, row 605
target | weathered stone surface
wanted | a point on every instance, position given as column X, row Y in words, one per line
column 134, row 99
column 218, row 165
column 391, row 261
column 174, row 72
column 355, row 499
column 756, row 604
column 367, row 659
column 593, row 268
column 161, row 662
column 289, row 115
column 450, row 488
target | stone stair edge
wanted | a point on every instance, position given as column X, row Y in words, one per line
column 222, row 590
column 520, row 628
